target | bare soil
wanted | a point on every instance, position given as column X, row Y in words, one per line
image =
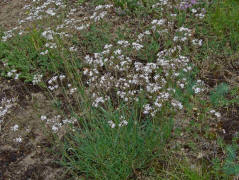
column 10, row 12
column 30, row 159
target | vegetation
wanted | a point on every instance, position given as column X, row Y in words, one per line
column 144, row 89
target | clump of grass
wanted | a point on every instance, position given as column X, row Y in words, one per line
column 134, row 6
column 218, row 95
column 231, row 166
column 223, row 17
column 104, row 149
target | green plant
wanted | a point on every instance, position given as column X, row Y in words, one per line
column 93, row 39
column 22, row 53
column 231, row 166
column 80, row 2
column 223, row 17
column 126, row 4
column 133, row 5
column 217, row 97
column 101, row 151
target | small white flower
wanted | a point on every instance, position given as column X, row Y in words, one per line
column 176, row 103
column 48, row 35
column 117, row 52
column 36, row 79
column 54, row 128
column 15, row 127
column 43, row 117
column 61, row 77
column 17, row 76
column 123, row 123
column 112, row 124
column 194, row 10
column 108, row 46
column 73, row 49
column 137, row 46
column 72, row 90
column 9, row 74
column 50, row 12
column 18, row 140
column 212, row 111
column 44, row 52
column 218, row 115
column 197, row 90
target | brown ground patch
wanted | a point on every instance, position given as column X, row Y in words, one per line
column 30, row 158
column 10, row 12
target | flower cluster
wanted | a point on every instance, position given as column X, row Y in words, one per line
column 198, row 87
column 56, row 123
column 37, row 79
column 217, row 114
column 5, row 106
column 36, row 11
column 122, row 122
column 128, row 78
column 14, row 73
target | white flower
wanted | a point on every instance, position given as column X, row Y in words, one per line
column 194, row 10
column 197, row 42
column 197, row 90
column 123, row 43
column 154, row 21
column 44, row 52
column 147, row 108
column 137, row 46
column 54, row 128
column 17, row 76
column 15, row 127
column 48, row 35
column 218, row 114
column 212, row 111
column 61, row 77
column 50, row 12
column 117, row 52
column 112, row 124
column 9, row 74
column 175, row 38
column 72, row 49
column 43, row 117
column 19, row 139
column 36, row 79
column 176, row 103
column 72, row 90
column 147, row 32
column 108, row 46
column 51, row 45
column 123, row 123
column 181, row 85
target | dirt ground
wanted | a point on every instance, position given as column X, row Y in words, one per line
column 30, row 158
column 10, row 12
